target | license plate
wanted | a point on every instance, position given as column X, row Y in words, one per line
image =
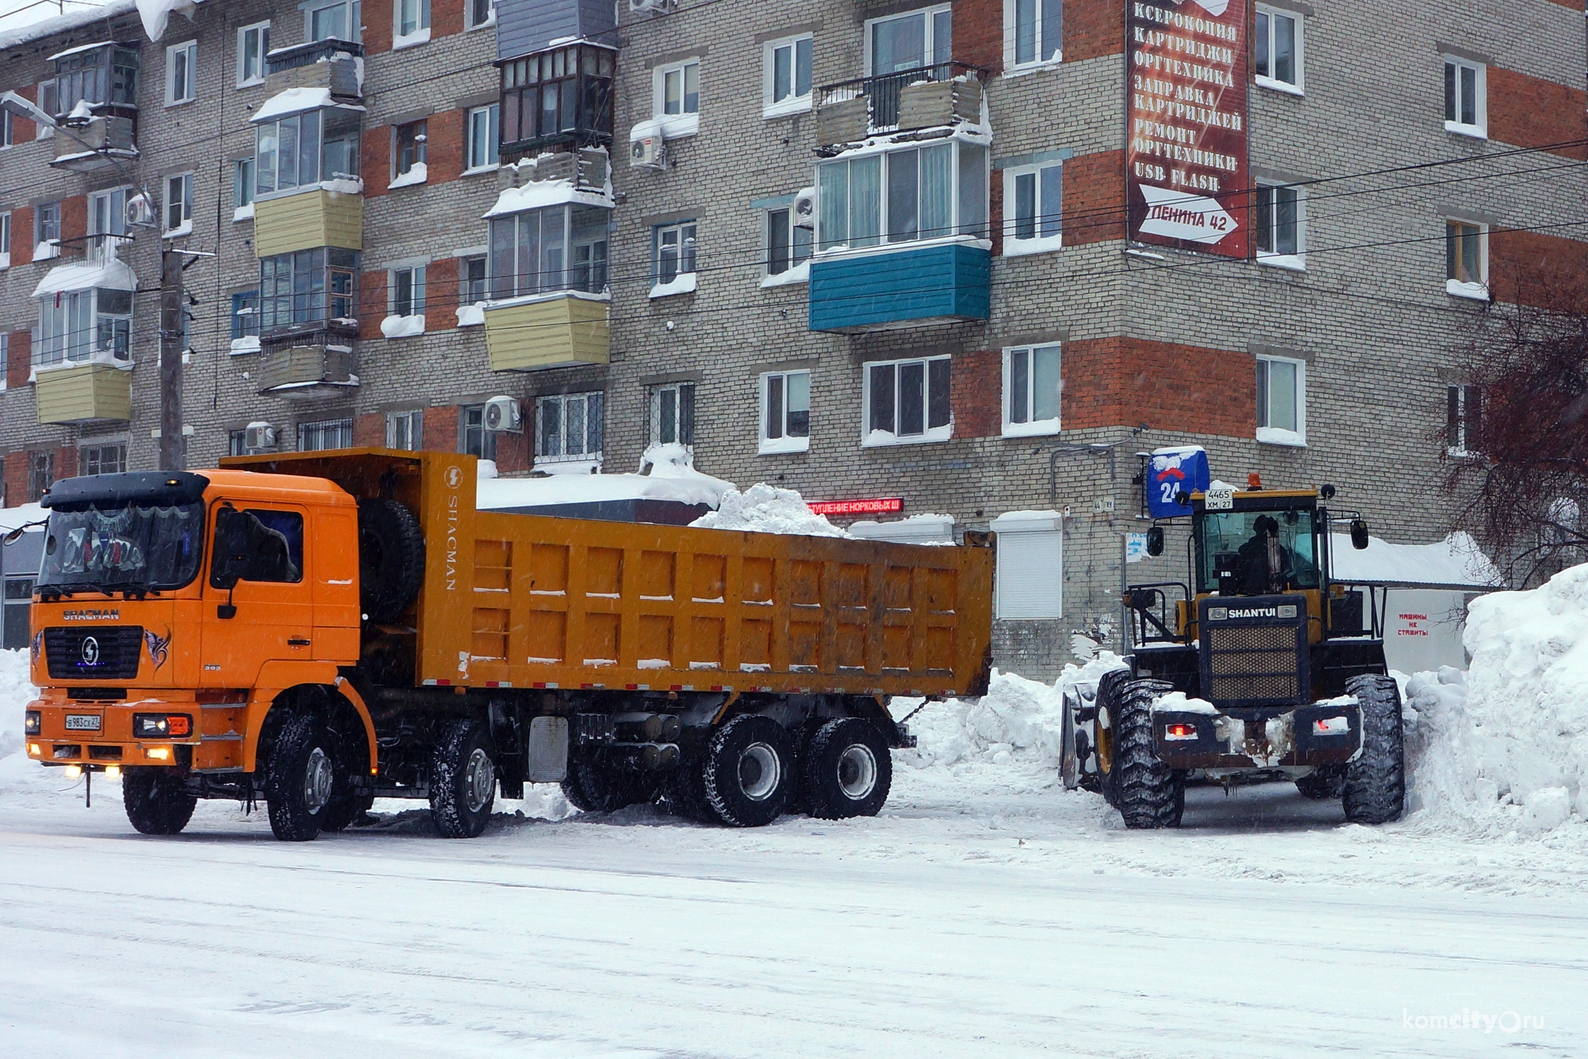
column 82, row 722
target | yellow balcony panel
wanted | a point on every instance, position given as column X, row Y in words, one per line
column 82, row 393
column 307, row 219
column 550, row 331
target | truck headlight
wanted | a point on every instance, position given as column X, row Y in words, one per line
column 33, row 722
column 161, row 725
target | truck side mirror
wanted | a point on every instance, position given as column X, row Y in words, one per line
column 230, row 550
column 1359, row 534
column 1155, row 540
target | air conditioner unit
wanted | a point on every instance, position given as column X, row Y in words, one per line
column 259, row 436
column 138, row 213
column 647, row 146
column 503, row 414
column 805, row 208
column 655, row 7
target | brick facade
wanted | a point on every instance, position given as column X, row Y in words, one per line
column 1535, row 112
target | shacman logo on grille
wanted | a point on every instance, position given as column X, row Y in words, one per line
column 91, row 615
column 90, row 651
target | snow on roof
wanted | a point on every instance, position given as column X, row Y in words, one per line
column 765, row 508
column 110, row 274
column 296, row 101
column 539, row 193
column 1455, row 562
column 79, row 48
column 156, row 13
column 670, row 479
column 23, row 26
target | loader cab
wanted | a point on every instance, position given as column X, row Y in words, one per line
column 1259, row 547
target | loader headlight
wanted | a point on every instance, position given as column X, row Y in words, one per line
column 32, row 722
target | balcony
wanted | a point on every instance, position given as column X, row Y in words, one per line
column 308, row 366
column 105, row 141
column 329, row 64
column 308, row 219
column 82, row 393
column 895, row 287
column 557, row 330
column 921, row 98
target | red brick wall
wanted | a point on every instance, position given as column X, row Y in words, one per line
column 995, row 212
column 369, row 430
column 74, row 218
column 441, row 294
column 1127, row 381
column 378, row 25
column 446, row 17
column 1093, row 28
column 19, row 359
column 512, row 450
column 444, row 146
column 375, row 160
column 440, row 428
column 1533, row 268
column 1094, row 197
column 1529, row 111
column 65, row 462
column 22, row 235
column 372, row 303
column 23, row 130
column 16, row 478
column 979, row 33
column 976, row 391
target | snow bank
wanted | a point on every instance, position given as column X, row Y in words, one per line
column 1456, row 560
column 767, row 509
column 16, row 691
column 1018, row 722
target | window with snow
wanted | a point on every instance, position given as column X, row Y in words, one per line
column 1033, row 31
column 481, row 13
column 74, row 326
column 1467, row 259
column 1463, row 419
column 472, row 435
column 301, row 150
column 242, row 183
column 483, row 135
column 1281, row 225
column 568, row 427
column 253, row 44
column 102, row 458
column 909, row 41
column 1466, row 109
column 324, row 434
column 551, row 249
column 785, row 411
column 408, row 147
column 408, row 291
column 413, row 17
column 179, row 204
column 673, row 414
column 403, row 429
column 47, row 97
column 180, row 60
column 1033, row 208
column 787, row 244
column 46, row 224
column 1031, row 391
column 308, row 287
column 475, row 286
column 903, row 196
column 1281, row 401
column 787, row 76
column 1276, row 61
column 245, row 315
column 333, row 20
column 672, row 253
column 559, row 96
column 907, row 401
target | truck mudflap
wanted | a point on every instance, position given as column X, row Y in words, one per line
column 1324, row 733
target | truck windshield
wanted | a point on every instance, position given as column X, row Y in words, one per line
column 1233, row 553
column 125, row 546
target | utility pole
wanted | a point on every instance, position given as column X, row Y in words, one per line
column 173, row 454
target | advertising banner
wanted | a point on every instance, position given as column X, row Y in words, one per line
column 1186, row 167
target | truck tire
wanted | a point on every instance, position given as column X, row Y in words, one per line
column 462, row 780
column 1322, row 783
column 1375, row 783
column 302, row 778
column 391, row 558
column 847, row 769
column 684, row 791
column 157, row 800
column 1147, row 793
column 748, row 771
column 345, row 807
column 596, row 787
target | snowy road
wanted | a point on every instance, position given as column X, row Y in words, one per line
column 965, row 922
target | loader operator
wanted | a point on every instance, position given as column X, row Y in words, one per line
column 1264, row 565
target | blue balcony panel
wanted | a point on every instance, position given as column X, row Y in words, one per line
column 901, row 288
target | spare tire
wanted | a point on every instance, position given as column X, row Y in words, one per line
column 391, row 558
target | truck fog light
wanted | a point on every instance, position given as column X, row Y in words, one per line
column 158, row 753
column 1179, row 732
column 32, row 722
column 72, row 771
column 1331, row 726
column 34, row 750
column 113, row 772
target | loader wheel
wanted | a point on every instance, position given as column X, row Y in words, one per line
column 595, row 787
column 462, row 780
column 1147, row 793
column 157, row 800
column 391, row 558
column 1375, row 783
column 1108, row 698
column 302, row 779
column 848, row 770
column 748, row 771
column 1322, row 783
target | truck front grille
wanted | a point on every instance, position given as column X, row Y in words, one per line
column 94, row 652
column 1253, row 662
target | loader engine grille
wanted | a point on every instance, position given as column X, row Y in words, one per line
column 1254, row 650
column 103, row 652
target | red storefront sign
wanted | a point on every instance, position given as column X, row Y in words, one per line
column 874, row 506
column 1187, row 175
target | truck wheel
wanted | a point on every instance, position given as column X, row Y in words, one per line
column 391, row 558
column 1323, row 782
column 1147, row 793
column 302, row 779
column 157, row 800
column 684, row 791
column 847, row 769
column 748, row 773
column 594, row 787
column 462, row 780
column 345, row 807
column 1375, row 783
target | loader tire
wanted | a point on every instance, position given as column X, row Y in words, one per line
column 462, row 779
column 1147, row 793
column 302, row 779
column 1322, row 783
column 157, row 800
column 1109, row 696
column 749, row 771
column 847, row 770
column 595, row 787
column 391, row 558
column 1375, row 783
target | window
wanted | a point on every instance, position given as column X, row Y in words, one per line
column 325, row 434
column 46, row 227
column 1032, row 390
column 7, row 130
column 179, row 204
column 673, row 260
column 1033, row 208
column 475, row 289
column 5, row 357
column 909, row 42
column 1278, row 49
column 530, row 251
column 785, row 412
column 1281, row 226
column 102, row 459
column 107, row 222
column 301, row 150
column 48, row 93
column 41, row 474
column 1463, row 419
column 568, row 428
column 481, row 150
column 1034, row 33
column 787, row 245
column 180, row 60
column 103, row 75
column 561, row 96
column 408, row 291
column 403, row 429
column 1466, row 109
column 919, row 193
column 308, row 287
column 907, row 400
column 242, row 187
column 253, row 44
column 409, row 152
column 337, row 20
column 1467, row 259
column 237, row 443
column 477, row 441
column 245, row 318
column 413, row 22
column 673, row 414
column 681, row 88
column 1281, row 401
column 258, row 544
column 788, row 76
column 481, row 13
column 76, row 325
column 5, row 240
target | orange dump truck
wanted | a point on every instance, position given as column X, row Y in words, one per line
column 320, row 629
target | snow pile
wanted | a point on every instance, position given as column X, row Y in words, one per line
column 1018, row 722
column 395, row 326
column 16, row 691
column 671, row 478
column 1456, row 560
column 767, row 509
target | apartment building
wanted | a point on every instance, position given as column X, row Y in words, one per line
column 961, row 259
